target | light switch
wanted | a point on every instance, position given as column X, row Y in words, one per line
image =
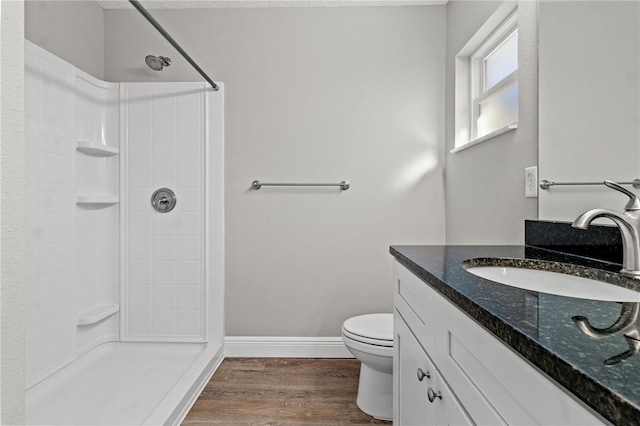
column 531, row 182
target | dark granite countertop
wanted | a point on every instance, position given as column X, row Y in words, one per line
column 538, row 325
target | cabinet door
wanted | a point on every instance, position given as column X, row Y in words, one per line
column 414, row 374
column 493, row 382
column 448, row 409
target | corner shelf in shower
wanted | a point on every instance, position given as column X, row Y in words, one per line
column 97, row 149
column 97, row 200
column 97, row 314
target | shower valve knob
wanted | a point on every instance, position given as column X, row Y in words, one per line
column 163, row 200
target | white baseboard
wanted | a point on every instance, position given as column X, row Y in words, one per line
column 285, row 347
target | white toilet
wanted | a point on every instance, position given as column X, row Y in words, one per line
column 370, row 339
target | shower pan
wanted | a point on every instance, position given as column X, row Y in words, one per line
column 124, row 308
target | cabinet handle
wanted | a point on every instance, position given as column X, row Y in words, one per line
column 432, row 395
column 422, row 375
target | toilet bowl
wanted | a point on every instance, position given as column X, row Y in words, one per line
column 370, row 339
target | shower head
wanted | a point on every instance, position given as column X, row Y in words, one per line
column 156, row 63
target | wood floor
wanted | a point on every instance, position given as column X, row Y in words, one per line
column 281, row 391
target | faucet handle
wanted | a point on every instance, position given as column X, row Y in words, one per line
column 634, row 202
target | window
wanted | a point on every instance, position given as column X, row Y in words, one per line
column 494, row 81
column 487, row 81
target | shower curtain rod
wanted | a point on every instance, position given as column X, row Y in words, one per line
column 174, row 43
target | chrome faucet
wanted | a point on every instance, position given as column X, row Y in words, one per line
column 629, row 224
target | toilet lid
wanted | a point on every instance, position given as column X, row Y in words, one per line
column 376, row 327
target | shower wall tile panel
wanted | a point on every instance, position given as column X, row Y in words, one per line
column 49, row 215
column 164, row 283
column 71, row 252
column 97, row 236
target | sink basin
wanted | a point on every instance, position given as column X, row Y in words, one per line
column 555, row 283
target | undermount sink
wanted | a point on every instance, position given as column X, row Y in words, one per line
column 554, row 283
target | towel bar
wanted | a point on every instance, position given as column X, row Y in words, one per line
column 256, row 184
column 545, row 184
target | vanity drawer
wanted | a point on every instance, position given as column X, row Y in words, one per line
column 414, row 300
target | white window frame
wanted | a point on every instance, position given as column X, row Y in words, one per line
column 469, row 75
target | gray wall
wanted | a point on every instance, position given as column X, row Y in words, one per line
column 589, row 103
column 72, row 30
column 485, row 183
column 312, row 94
column 12, row 232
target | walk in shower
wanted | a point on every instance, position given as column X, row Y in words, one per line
column 124, row 307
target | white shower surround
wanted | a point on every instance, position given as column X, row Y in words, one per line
column 163, row 254
column 77, row 284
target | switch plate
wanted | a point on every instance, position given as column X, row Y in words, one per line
column 531, row 182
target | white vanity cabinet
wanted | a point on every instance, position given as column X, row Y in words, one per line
column 474, row 378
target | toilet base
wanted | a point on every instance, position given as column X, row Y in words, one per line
column 375, row 393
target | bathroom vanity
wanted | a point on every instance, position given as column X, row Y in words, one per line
column 472, row 351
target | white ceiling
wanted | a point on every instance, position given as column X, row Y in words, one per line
column 207, row 4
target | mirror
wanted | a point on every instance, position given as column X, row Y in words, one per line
column 589, row 103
